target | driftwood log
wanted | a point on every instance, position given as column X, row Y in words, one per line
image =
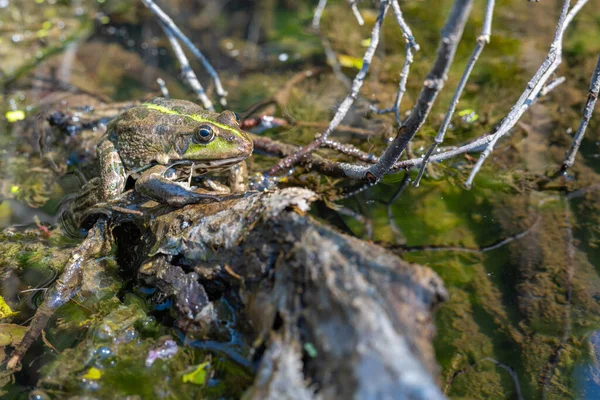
column 327, row 315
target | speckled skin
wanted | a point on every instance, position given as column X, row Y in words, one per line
column 156, row 134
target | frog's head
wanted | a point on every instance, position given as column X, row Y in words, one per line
column 211, row 140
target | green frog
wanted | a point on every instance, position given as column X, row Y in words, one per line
column 153, row 143
column 149, row 140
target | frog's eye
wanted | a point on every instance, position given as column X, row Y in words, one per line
column 237, row 117
column 204, row 134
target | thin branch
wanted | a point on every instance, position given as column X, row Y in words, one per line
column 511, row 372
column 552, row 61
column 482, row 40
column 329, row 53
column 348, row 101
column 549, row 87
column 411, row 45
column 165, row 19
column 354, row 191
column 451, row 35
column 356, row 13
column 476, row 144
column 333, row 61
column 163, row 87
column 350, row 150
column 360, row 218
column 585, row 118
column 314, row 162
column 186, row 70
column 316, row 22
column 483, row 249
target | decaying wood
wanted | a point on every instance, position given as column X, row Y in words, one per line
column 335, row 317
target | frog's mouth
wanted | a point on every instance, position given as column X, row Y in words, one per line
column 210, row 164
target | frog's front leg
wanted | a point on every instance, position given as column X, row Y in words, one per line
column 155, row 185
column 238, row 178
column 112, row 172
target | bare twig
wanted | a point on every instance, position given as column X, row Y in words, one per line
column 345, row 130
column 552, row 61
column 314, row 162
column 334, row 62
column 474, row 145
column 483, row 249
column 186, row 70
column 411, row 45
column 451, row 35
column 316, row 22
column 354, row 8
column 163, row 87
column 353, row 191
column 348, row 101
column 549, row 87
column 511, row 372
column 360, row 218
column 350, row 150
column 585, row 118
column 482, row 40
column 166, row 20
column 47, row 342
column 329, row 53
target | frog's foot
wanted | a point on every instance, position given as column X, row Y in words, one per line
column 154, row 185
column 238, row 178
column 97, row 243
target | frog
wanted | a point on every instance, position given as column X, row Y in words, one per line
column 149, row 141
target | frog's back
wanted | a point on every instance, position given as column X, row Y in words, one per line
column 142, row 133
column 177, row 107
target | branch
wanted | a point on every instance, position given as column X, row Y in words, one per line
column 585, row 118
column 329, row 53
column 348, row 101
column 475, row 145
column 356, row 13
column 166, row 20
column 316, row 22
column 350, row 150
column 314, row 162
column 408, row 60
column 186, row 71
column 451, row 35
column 482, row 40
column 552, row 61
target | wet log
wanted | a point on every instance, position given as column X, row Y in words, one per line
column 330, row 316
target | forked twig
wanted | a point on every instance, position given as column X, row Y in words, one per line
column 166, row 20
column 411, row 46
column 451, row 35
column 552, row 61
column 348, row 101
column 482, row 40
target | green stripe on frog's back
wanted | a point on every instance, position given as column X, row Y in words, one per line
column 195, row 117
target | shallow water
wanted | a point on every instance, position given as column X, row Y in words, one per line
column 518, row 252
